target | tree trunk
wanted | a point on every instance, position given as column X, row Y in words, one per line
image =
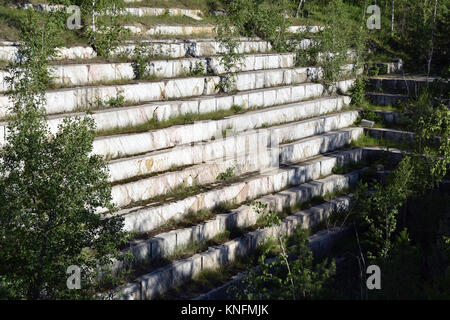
column 392, row 18
column 300, row 3
column 36, row 290
column 289, row 269
column 364, row 11
column 430, row 51
column 93, row 16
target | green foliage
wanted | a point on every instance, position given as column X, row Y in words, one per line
column 236, row 108
column 358, row 92
column 280, row 278
column 105, row 38
column 229, row 173
column 103, row 27
column 30, row 74
column 197, row 70
column 308, row 56
column 418, row 174
column 264, row 19
column 229, row 56
column 213, row 5
column 331, row 45
column 430, row 121
column 371, row 115
column 417, row 32
column 418, row 265
column 378, row 210
column 431, row 157
column 118, row 101
column 333, row 42
column 403, row 266
column 268, row 216
column 283, row 277
column 368, row 141
column 351, row 166
column 143, row 54
column 139, row 63
column 50, row 188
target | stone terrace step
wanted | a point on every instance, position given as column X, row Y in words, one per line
column 196, row 30
column 159, row 281
column 400, row 84
column 147, row 188
column 170, row 48
column 173, row 30
column 138, row 143
column 107, row 119
column 151, row 216
column 123, row 117
column 221, row 154
column 386, row 99
column 309, row 29
column 146, row 11
column 320, row 244
column 391, row 135
column 387, row 67
column 73, row 99
column 92, row 73
column 204, row 174
column 139, row 11
column 165, row 244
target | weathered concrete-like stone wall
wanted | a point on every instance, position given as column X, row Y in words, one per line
column 69, row 100
column 320, row 244
column 143, row 189
column 386, row 99
column 84, row 74
column 129, row 144
column 131, row 116
column 225, row 148
column 389, row 134
column 391, row 117
column 190, row 30
column 140, row 12
column 145, row 11
column 165, row 244
column 170, row 48
column 146, row 218
column 157, row 282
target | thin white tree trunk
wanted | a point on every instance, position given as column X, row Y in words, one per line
column 392, row 18
column 288, row 267
column 430, row 52
column 364, row 11
column 93, row 15
column 298, row 8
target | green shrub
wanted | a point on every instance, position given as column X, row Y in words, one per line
column 358, row 92
column 139, row 62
